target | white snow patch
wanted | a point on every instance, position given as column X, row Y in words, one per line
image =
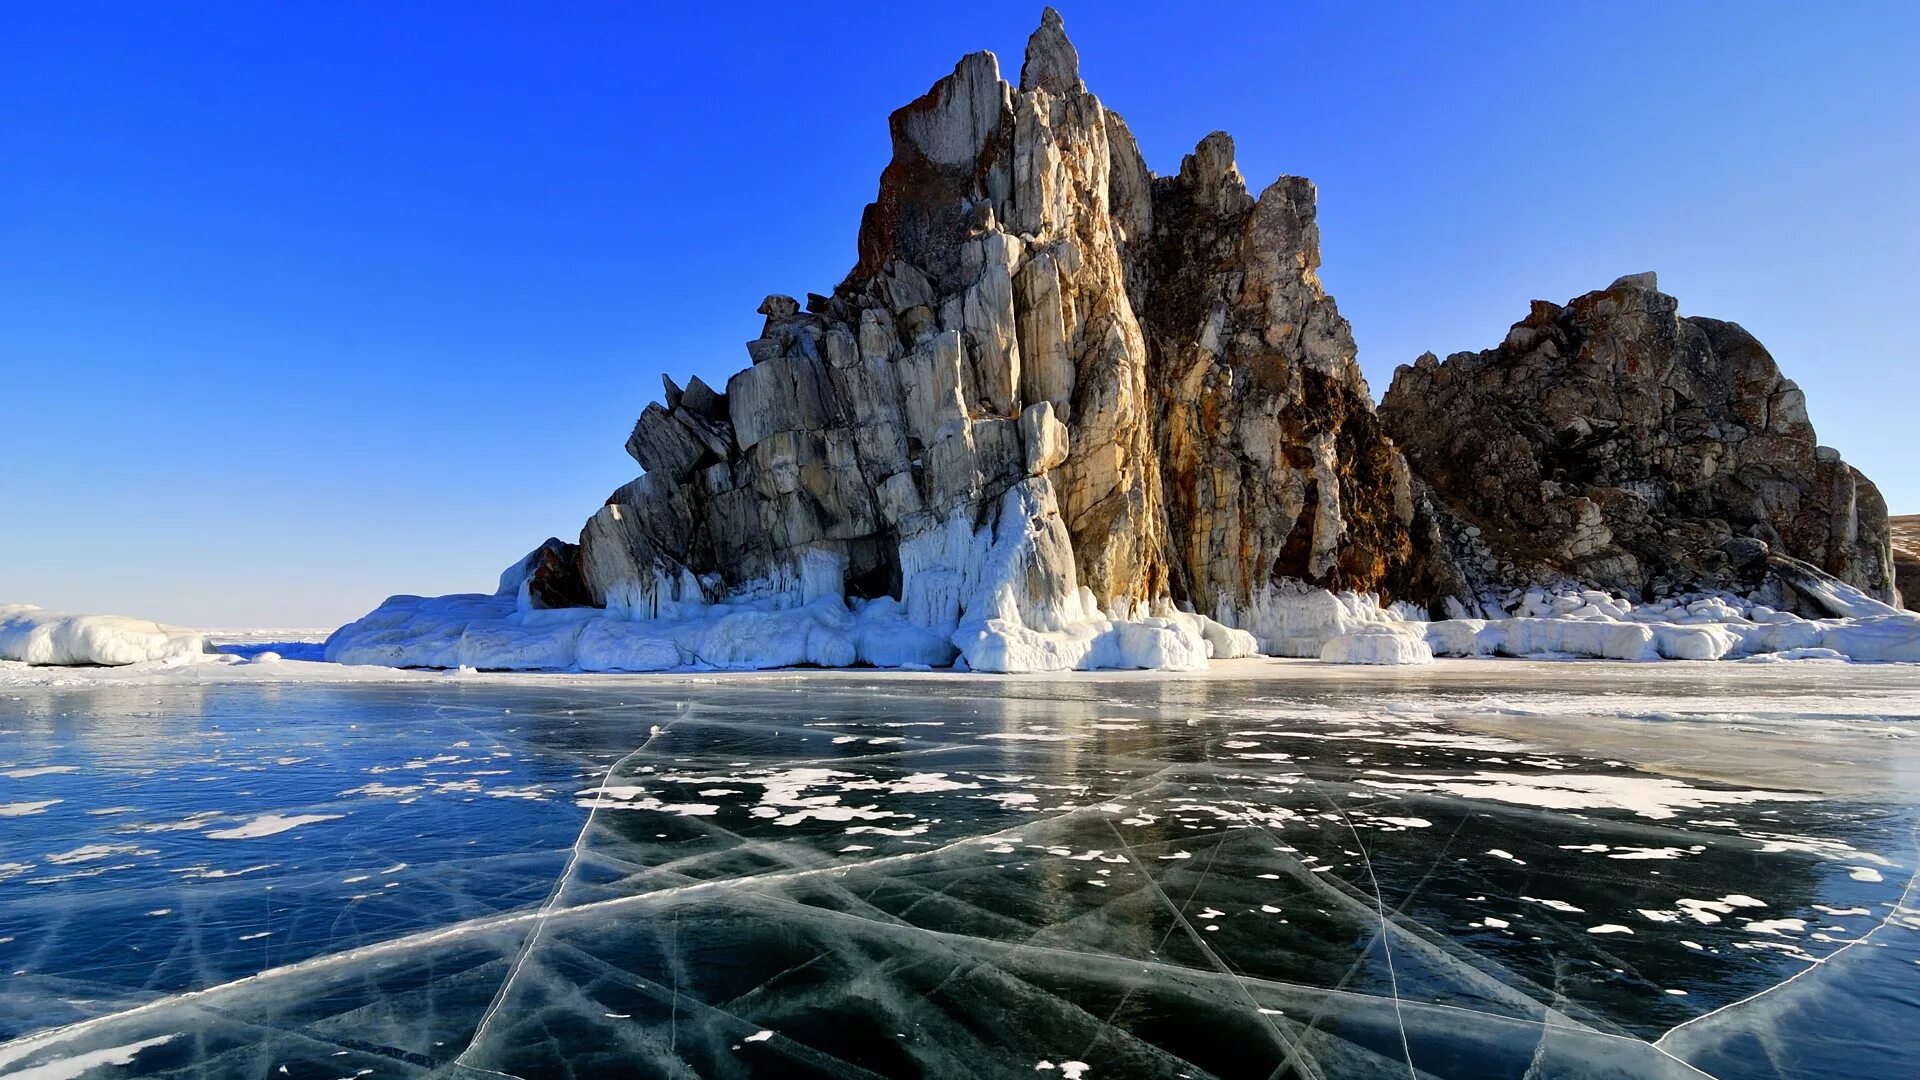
column 268, row 825
column 79, row 1064
column 1657, row 798
column 34, row 635
column 1378, row 643
column 32, row 771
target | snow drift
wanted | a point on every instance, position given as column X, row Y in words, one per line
column 34, row 635
column 1589, row 624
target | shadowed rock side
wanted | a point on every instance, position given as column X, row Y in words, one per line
column 1141, row 374
column 1615, row 442
column 1906, row 559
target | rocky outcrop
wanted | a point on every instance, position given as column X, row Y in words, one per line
column 1144, row 369
column 1065, row 413
column 1906, row 559
column 1616, row 443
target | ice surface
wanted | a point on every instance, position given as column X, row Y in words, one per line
column 34, row 635
column 1298, row 869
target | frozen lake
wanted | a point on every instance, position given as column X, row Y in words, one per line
column 1476, row 869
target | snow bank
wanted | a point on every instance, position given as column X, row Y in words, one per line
column 1376, row 643
column 1588, row 624
column 1291, row 619
column 1002, row 598
column 37, row 636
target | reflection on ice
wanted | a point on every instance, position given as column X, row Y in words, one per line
column 839, row 875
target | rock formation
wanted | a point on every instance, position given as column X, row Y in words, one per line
column 1140, row 373
column 1906, row 559
column 1064, row 413
column 1614, row 442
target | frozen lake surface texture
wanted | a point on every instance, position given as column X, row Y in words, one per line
column 1481, row 868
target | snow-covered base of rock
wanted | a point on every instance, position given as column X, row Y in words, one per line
column 491, row 633
column 1588, row 624
column 34, row 635
column 791, row 629
column 1377, row 643
column 1002, row 598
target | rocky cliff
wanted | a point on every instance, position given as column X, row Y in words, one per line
column 1612, row 441
column 1140, row 373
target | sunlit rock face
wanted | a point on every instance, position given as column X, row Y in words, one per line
column 1906, row 559
column 1136, row 381
column 1613, row 441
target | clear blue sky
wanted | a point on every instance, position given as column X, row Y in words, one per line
column 306, row 304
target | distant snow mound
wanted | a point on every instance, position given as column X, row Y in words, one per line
column 35, row 635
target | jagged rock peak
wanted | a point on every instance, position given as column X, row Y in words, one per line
column 1213, row 177
column 1052, row 63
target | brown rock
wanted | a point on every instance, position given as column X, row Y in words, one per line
column 1617, row 443
column 1906, row 559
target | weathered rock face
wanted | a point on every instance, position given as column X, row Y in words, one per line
column 1615, row 442
column 1906, row 559
column 1274, row 464
column 1146, row 369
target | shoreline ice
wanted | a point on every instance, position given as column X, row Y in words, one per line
column 803, row 630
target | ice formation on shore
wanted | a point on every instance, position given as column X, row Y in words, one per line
column 1000, row 613
column 1588, row 624
column 34, row 635
column 994, row 599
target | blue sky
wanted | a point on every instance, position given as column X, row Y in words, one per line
column 306, row 304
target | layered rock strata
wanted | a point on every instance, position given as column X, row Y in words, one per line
column 1614, row 442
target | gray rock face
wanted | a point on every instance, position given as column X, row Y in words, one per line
column 1615, row 442
column 1151, row 361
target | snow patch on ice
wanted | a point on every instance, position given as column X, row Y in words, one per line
column 79, row 1064
column 1657, row 798
column 268, row 825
